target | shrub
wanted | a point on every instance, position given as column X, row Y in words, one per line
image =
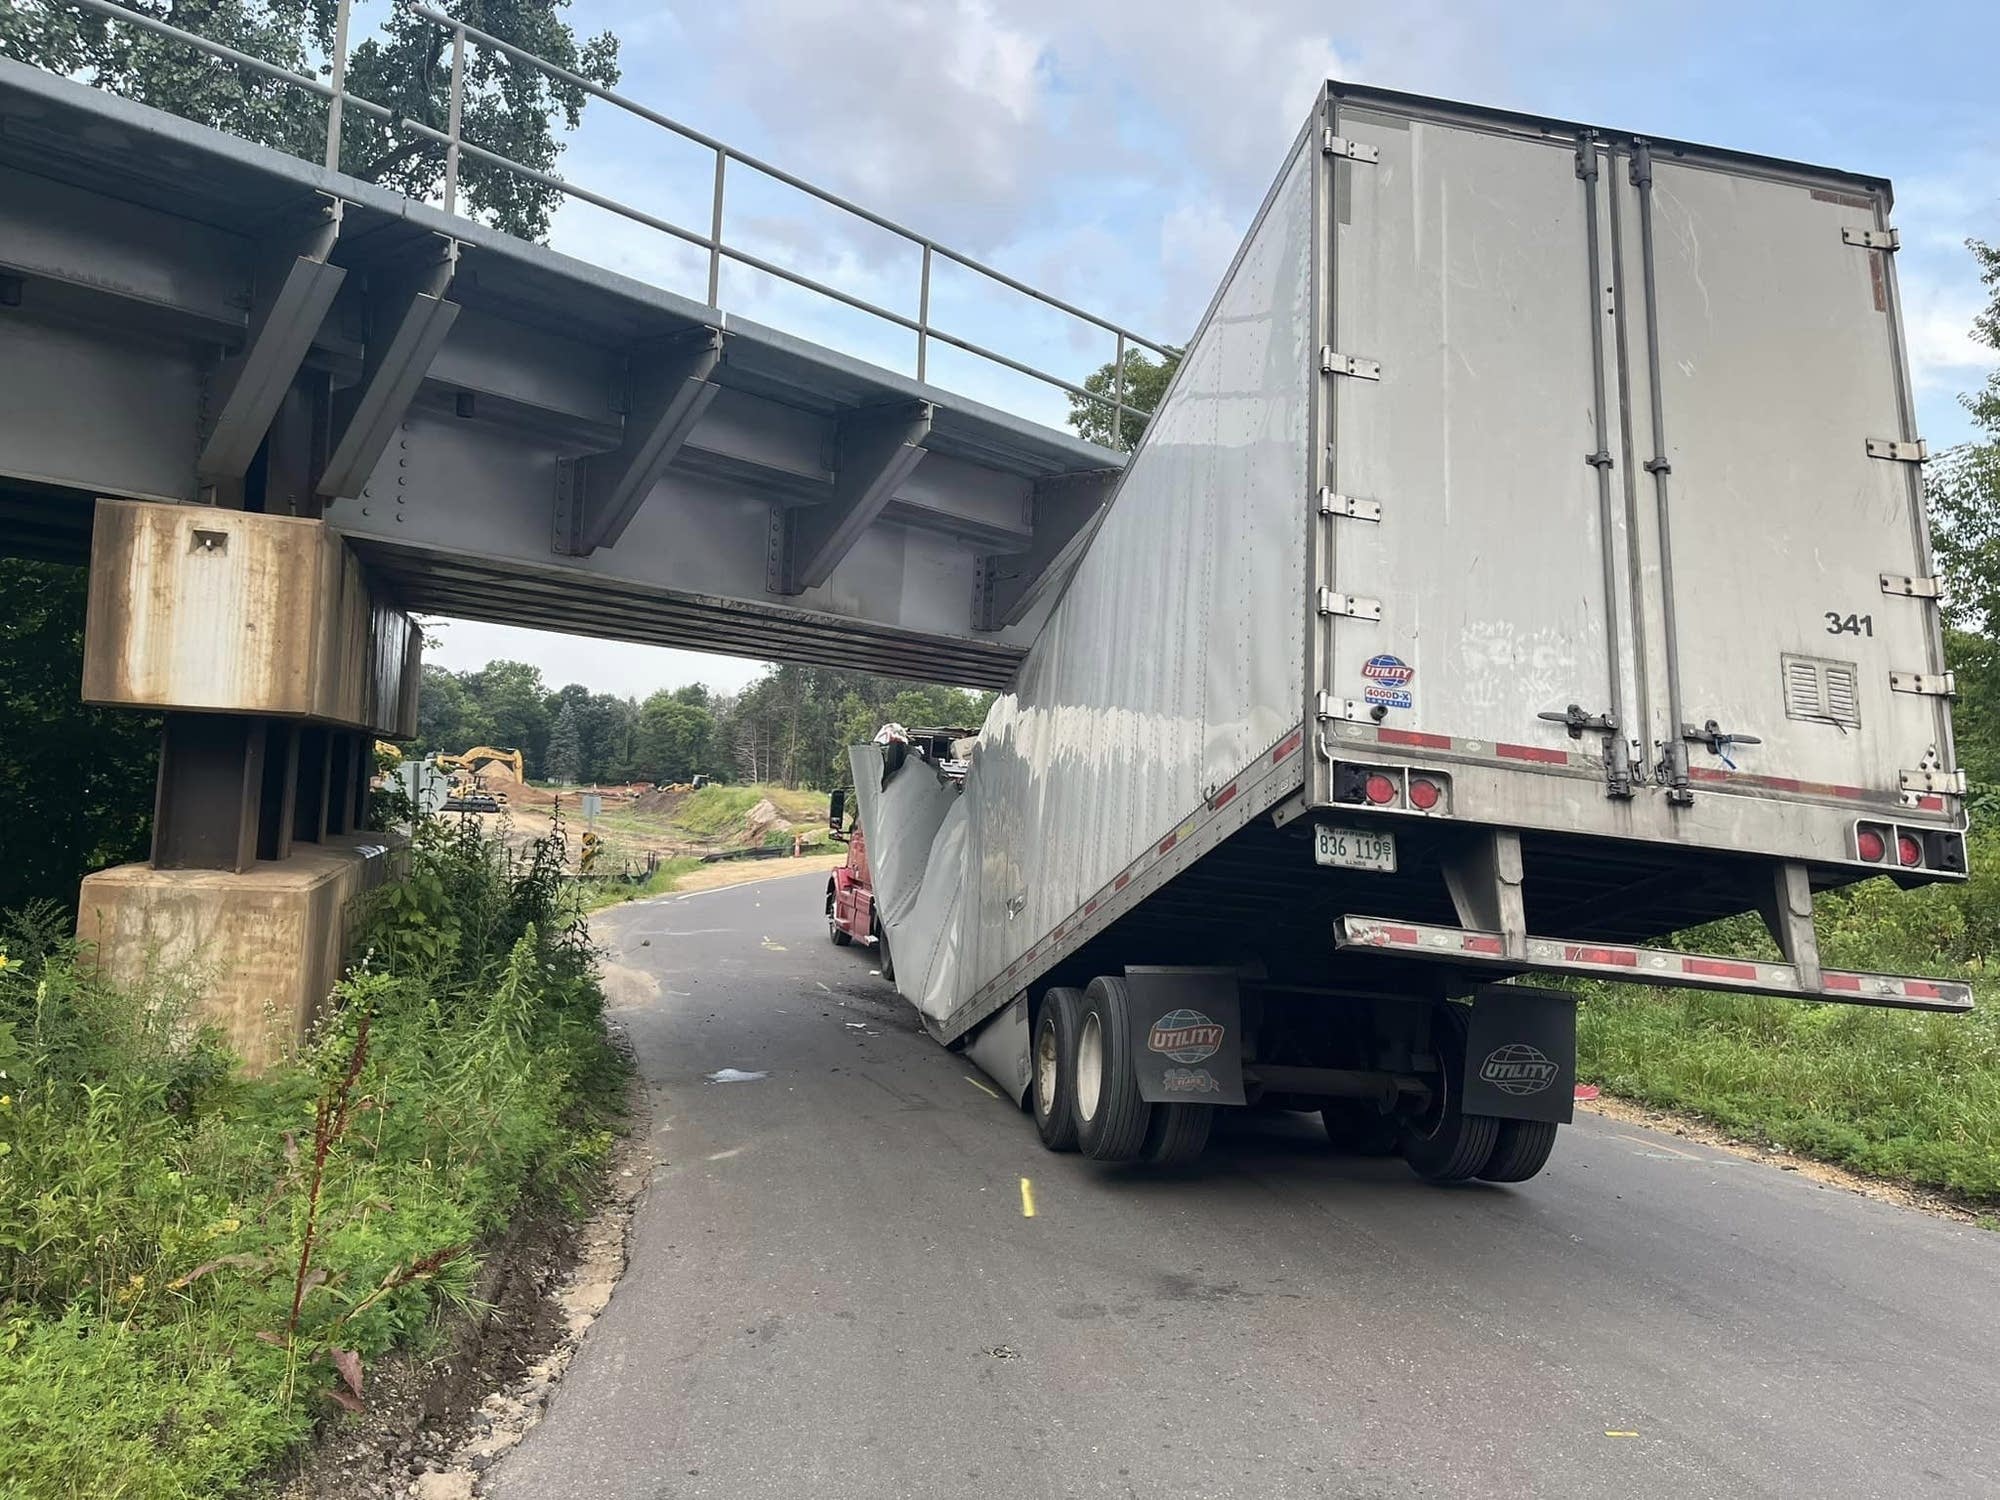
column 195, row 1266
column 1900, row 1094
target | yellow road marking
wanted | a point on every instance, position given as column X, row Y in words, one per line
column 1621, row 1434
column 981, row 1087
column 1027, row 1199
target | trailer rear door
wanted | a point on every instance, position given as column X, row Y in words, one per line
column 1463, row 413
column 1791, row 483
column 1515, row 537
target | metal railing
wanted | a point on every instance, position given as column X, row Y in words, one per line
column 457, row 148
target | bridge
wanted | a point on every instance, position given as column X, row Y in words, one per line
column 281, row 410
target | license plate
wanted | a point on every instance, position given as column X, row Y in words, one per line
column 1353, row 849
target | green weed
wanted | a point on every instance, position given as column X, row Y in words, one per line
column 1902, row 1095
column 194, row 1266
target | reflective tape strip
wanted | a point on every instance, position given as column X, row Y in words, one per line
column 1415, row 738
column 1661, row 966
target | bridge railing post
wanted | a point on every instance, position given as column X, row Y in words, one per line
column 715, row 230
column 452, row 120
column 1118, row 403
column 924, row 312
column 333, row 102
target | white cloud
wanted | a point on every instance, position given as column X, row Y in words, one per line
column 1937, row 320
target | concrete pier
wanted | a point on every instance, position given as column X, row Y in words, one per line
column 276, row 665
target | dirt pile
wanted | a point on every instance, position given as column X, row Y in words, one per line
column 761, row 819
column 659, row 800
column 498, row 780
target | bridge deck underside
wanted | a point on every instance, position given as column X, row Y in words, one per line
column 505, row 433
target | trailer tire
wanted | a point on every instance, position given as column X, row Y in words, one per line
column 1178, row 1134
column 1444, row 1143
column 840, row 935
column 1521, row 1151
column 1052, row 1085
column 1111, row 1116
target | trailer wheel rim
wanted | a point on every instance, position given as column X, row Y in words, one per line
column 1045, row 1069
column 1089, row 1067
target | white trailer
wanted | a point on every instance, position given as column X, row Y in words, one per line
column 1528, row 562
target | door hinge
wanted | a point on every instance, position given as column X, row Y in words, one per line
column 1351, row 506
column 1912, row 588
column 1901, row 450
column 1335, row 363
column 1933, row 781
column 1353, row 710
column 1340, row 145
column 1930, row 684
column 1331, row 603
column 1871, row 239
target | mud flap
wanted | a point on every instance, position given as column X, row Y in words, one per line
column 1520, row 1056
column 1187, row 1035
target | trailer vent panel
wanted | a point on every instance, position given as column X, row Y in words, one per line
column 1822, row 691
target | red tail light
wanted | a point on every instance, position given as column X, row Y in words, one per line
column 1379, row 789
column 1424, row 795
column 1909, row 852
column 1871, row 846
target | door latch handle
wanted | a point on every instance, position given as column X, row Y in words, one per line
column 1576, row 721
column 1713, row 735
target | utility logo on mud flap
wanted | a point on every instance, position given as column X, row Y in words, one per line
column 1389, row 679
column 1518, row 1068
column 1190, row 1081
column 1187, row 1036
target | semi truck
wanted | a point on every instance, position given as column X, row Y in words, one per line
column 1526, row 563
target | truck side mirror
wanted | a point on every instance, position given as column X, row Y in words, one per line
column 836, row 807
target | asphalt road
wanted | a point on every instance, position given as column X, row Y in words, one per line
column 834, row 1291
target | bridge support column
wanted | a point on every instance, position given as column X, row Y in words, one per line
column 275, row 666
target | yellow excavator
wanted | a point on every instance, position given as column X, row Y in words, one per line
column 464, row 769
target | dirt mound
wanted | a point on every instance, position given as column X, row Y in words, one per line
column 761, row 819
column 659, row 800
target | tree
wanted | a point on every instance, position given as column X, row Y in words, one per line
column 674, row 738
column 76, row 783
column 509, row 107
column 566, row 748
column 449, row 717
column 1963, row 489
column 1145, row 383
column 514, row 700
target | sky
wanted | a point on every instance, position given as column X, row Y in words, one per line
column 1112, row 153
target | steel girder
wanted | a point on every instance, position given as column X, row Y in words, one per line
column 505, row 432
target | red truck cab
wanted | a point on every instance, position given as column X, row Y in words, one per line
column 850, row 892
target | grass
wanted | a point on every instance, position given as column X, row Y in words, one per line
column 595, row 895
column 1903, row 1095
column 196, row 1268
column 717, row 811
column 716, row 814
